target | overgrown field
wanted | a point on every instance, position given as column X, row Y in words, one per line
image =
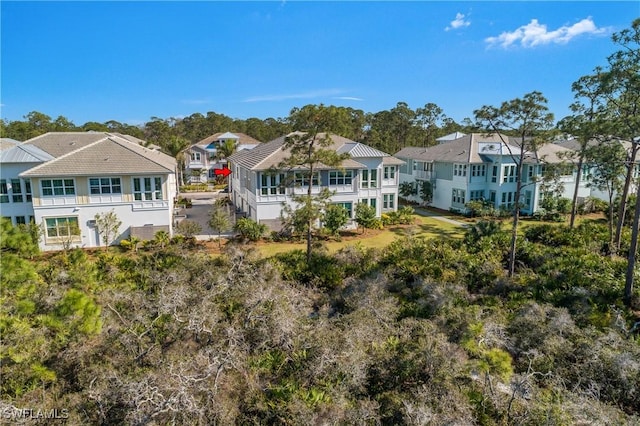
column 424, row 331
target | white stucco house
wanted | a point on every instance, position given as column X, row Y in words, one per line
column 482, row 167
column 62, row 180
column 258, row 190
column 588, row 171
column 201, row 158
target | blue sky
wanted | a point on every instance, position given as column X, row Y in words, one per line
column 130, row 61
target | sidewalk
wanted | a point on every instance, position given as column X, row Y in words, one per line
column 423, row 212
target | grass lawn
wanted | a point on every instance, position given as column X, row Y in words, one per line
column 423, row 226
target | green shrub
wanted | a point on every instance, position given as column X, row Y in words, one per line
column 249, row 229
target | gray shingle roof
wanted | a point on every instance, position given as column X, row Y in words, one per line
column 109, row 155
column 271, row 154
column 242, row 139
column 61, row 143
column 465, row 149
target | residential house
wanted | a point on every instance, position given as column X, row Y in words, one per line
column 62, row 180
column 588, row 190
column 481, row 167
column 259, row 186
column 202, row 157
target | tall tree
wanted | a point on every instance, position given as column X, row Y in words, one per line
column 309, row 148
column 528, row 119
column 430, row 118
column 620, row 103
column 583, row 125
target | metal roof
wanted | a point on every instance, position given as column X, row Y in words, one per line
column 24, row 153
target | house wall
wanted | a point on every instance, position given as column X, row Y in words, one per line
column 84, row 207
column 13, row 209
column 267, row 209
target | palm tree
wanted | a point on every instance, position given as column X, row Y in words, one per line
column 224, row 151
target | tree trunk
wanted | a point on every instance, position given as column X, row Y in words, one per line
column 310, row 220
column 514, row 235
column 574, row 202
column 624, row 196
column 628, row 287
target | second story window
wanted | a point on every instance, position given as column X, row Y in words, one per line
column 478, row 170
column 272, row 184
column 4, row 191
column 195, row 157
column 389, row 172
column 459, row 169
column 16, row 190
column 147, row 188
column 369, row 178
column 105, row 186
column 302, row 179
column 509, row 174
column 340, row 178
column 55, row 187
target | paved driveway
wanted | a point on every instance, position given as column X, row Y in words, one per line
column 202, row 205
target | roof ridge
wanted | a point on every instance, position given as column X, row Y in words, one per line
column 137, row 153
column 63, row 156
column 281, row 144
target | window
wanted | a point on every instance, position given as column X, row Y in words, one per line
column 428, row 167
column 340, row 178
column 54, row 187
column 527, row 198
column 369, row 178
column 16, row 190
column 20, row 220
column 147, row 188
column 347, row 206
column 459, row 169
column 371, row 201
column 302, row 179
column 62, row 227
column 415, row 165
column 389, row 172
column 388, row 201
column 492, row 196
column 272, row 184
column 509, row 174
column 476, row 195
column 104, row 186
column 27, row 190
column 508, row 199
column 195, row 157
column 4, row 191
column 478, row 170
column 531, row 172
column 457, row 196
column 494, row 174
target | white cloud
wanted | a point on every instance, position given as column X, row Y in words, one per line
column 302, row 95
column 348, row 98
column 534, row 34
column 459, row 22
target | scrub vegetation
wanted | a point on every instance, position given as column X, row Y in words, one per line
column 423, row 331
